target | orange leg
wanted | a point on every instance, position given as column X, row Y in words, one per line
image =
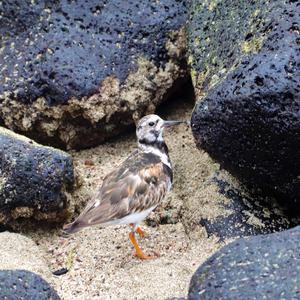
column 138, row 251
column 139, row 230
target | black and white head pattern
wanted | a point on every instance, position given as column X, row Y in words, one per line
column 150, row 129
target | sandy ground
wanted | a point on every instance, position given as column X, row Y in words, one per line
column 101, row 260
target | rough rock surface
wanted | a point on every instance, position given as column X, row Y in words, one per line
column 249, row 118
column 261, row 267
column 76, row 72
column 20, row 284
column 34, row 180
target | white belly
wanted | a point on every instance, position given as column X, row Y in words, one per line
column 134, row 218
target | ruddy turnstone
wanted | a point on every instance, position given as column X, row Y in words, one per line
column 129, row 193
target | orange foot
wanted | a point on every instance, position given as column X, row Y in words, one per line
column 143, row 256
column 138, row 251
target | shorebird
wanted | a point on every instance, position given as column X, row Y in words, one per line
column 129, row 193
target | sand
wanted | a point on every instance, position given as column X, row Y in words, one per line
column 21, row 257
column 100, row 259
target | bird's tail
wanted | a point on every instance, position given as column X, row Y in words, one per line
column 73, row 227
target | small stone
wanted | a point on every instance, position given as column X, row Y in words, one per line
column 89, row 162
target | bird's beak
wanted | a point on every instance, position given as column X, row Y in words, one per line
column 167, row 124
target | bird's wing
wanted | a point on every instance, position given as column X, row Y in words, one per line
column 136, row 186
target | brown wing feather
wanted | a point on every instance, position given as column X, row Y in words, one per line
column 135, row 186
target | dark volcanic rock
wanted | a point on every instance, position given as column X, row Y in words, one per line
column 2, row 228
column 34, row 180
column 242, row 215
column 261, row 267
column 249, row 120
column 222, row 34
column 97, row 62
column 20, row 284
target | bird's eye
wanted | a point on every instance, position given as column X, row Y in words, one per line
column 151, row 124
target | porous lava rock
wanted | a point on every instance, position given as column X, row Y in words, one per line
column 249, row 119
column 35, row 181
column 259, row 267
column 74, row 73
column 20, row 284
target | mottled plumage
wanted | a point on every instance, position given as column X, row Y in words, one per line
column 129, row 193
column 137, row 185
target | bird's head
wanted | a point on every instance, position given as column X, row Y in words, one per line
column 150, row 129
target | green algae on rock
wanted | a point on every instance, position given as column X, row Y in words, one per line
column 220, row 34
column 35, row 180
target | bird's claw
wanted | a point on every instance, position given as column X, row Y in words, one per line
column 143, row 256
